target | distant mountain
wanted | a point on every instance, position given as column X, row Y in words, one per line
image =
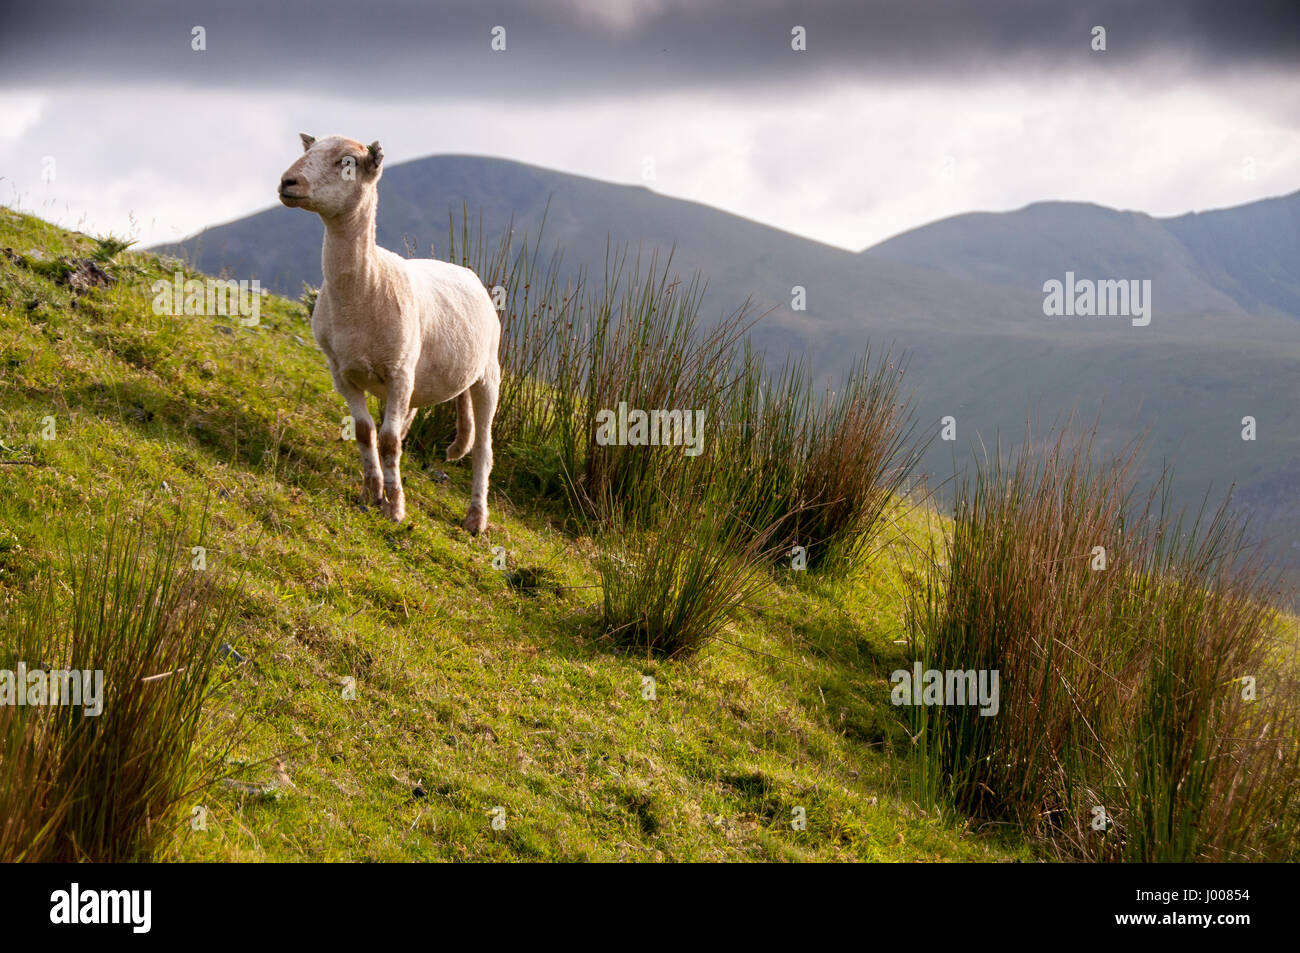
column 1252, row 252
column 963, row 296
column 1242, row 258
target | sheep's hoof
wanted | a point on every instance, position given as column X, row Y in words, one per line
column 475, row 520
column 374, row 489
column 394, row 504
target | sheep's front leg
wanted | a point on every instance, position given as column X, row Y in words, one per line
column 397, row 408
column 364, row 425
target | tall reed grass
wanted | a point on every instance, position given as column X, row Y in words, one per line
column 823, row 469
column 780, row 464
column 111, row 787
column 1122, row 732
column 673, row 582
column 573, row 345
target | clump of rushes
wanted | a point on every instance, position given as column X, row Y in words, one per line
column 107, row 788
column 1205, row 767
column 1121, row 731
column 825, row 468
column 859, row 454
column 647, row 350
column 673, row 581
column 823, row 465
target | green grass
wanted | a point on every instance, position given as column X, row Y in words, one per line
column 470, row 692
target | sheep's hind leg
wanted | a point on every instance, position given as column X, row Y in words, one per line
column 410, row 419
column 364, row 425
column 483, row 394
column 464, row 427
column 397, row 407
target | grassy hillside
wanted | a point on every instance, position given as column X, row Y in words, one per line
column 471, row 692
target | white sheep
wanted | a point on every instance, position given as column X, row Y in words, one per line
column 411, row 332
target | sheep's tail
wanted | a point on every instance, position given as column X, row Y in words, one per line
column 464, row 427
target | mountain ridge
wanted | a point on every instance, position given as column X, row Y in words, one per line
column 1220, row 259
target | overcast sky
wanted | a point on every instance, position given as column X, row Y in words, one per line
column 896, row 114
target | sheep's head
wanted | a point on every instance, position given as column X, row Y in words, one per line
column 332, row 175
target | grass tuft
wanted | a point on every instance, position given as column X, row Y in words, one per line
column 1123, row 732
column 110, row 786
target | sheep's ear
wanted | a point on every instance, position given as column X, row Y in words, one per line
column 376, row 154
column 307, row 141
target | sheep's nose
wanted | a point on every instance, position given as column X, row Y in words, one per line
column 288, row 182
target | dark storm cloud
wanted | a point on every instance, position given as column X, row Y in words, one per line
column 577, row 49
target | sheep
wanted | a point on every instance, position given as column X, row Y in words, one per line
column 412, row 332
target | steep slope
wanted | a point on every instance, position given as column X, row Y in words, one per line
column 469, row 694
column 1251, row 252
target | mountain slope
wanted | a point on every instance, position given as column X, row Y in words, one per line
column 469, row 694
column 1251, row 252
